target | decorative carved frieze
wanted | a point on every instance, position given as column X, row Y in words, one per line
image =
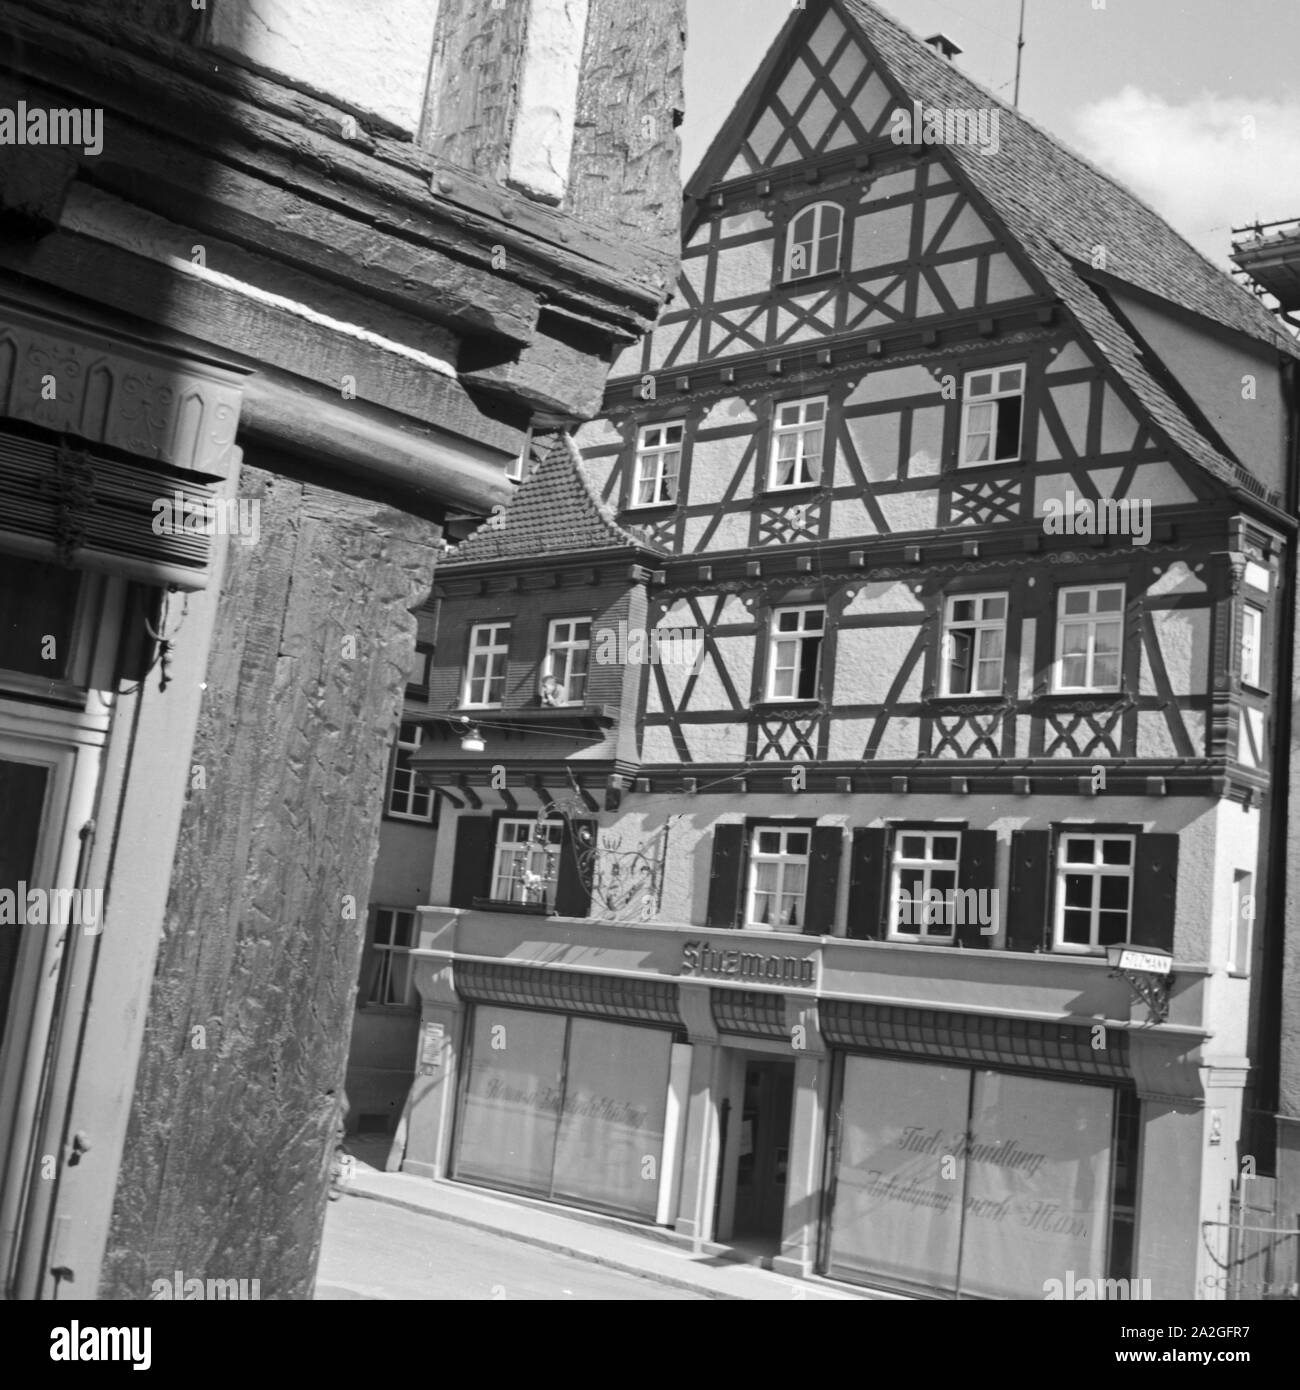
column 87, row 385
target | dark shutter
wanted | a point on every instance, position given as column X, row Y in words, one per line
column 1029, row 926
column 573, row 881
column 724, row 877
column 1155, row 888
column 979, row 858
column 868, row 870
column 823, row 880
column 472, row 866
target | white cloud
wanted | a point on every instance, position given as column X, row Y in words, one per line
column 1206, row 165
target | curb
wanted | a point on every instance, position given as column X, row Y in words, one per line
column 554, row 1246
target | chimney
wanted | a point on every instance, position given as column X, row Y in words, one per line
column 942, row 44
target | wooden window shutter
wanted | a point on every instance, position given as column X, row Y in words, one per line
column 472, row 866
column 979, row 861
column 1155, row 890
column 725, row 876
column 1029, row 922
column 572, row 884
column 823, row 880
column 868, row 874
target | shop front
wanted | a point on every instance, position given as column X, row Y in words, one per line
column 924, row 1151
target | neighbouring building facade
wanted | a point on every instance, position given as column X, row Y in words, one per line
column 283, row 291
column 907, row 637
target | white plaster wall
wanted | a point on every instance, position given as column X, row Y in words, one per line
column 1071, row 358
column 881, row 237
column 849, row 517
column 1005, row 281
column 377, row 61
column 733, row 410
column 542, row 141
column 911, row 511
column 867, row 660
column 1160, row 483
column 713, row 465
column 1119, row 426
column 890, row 384
column 890, row 186
column 1179, row 578
column 1184, row 637
column 743, row 270
column 969, row 229
column 883, row 596
column 875, row 439
column 927, row 442
column 732, row 532
column 715, row 743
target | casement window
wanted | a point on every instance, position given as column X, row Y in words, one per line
column 974, row 644
column 568, row 652
column 778, row 878
column 406, row 801
column 1094, row 890
column 389, row 975
column 485, row 674
column 1080, row 888
column 794, row 653
column 814, row 242
column 1089, row 638
column 521, row 864
column 992, row 415
column 798, row 438
column 923, row 883
column 1252, row 630
column 658, row 465
column 527, row 861
column 774, row 876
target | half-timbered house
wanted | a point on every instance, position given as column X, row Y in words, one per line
column 967, row 475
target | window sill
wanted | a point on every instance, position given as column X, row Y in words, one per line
column 642, row 508
column 990, row 697
column 805, row 705
column 794, row 489
column 409, row 820
column 992, row 463
column 519, row 909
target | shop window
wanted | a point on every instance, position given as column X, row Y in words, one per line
column 388, row 971
column 798, row 442
column 406, row 801
column 924, row 883
column 814, row 241
column 1094, row 891
column 1089, row 638
column 658, row 464
column 992, row 413
column 568, row 654
column 775, row 876
column 1078, row 889
column 527, row 861
column 566, row 1108
column 972, row 1183
column 794, row 653
column 485, row 674
column 974, row 644
column 1252, row 631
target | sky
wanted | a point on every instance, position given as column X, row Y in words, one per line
column 1193, row 104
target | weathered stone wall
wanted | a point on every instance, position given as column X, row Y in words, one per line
column 227, row 1157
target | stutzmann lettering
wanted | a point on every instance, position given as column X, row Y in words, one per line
column 699, row 958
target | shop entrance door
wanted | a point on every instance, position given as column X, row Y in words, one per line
column 763, row 1157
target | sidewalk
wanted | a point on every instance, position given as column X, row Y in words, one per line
column 651, row 1252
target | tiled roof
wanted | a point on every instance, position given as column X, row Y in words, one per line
column 1060, row 208
column 554, row 511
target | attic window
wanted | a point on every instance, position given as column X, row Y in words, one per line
column 992, row 416
column 813, row 247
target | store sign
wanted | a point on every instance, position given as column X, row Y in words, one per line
column 1143, row 960
column 431, row 1038
column 703, row 958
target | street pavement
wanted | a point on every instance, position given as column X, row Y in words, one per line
column 373, row 1250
